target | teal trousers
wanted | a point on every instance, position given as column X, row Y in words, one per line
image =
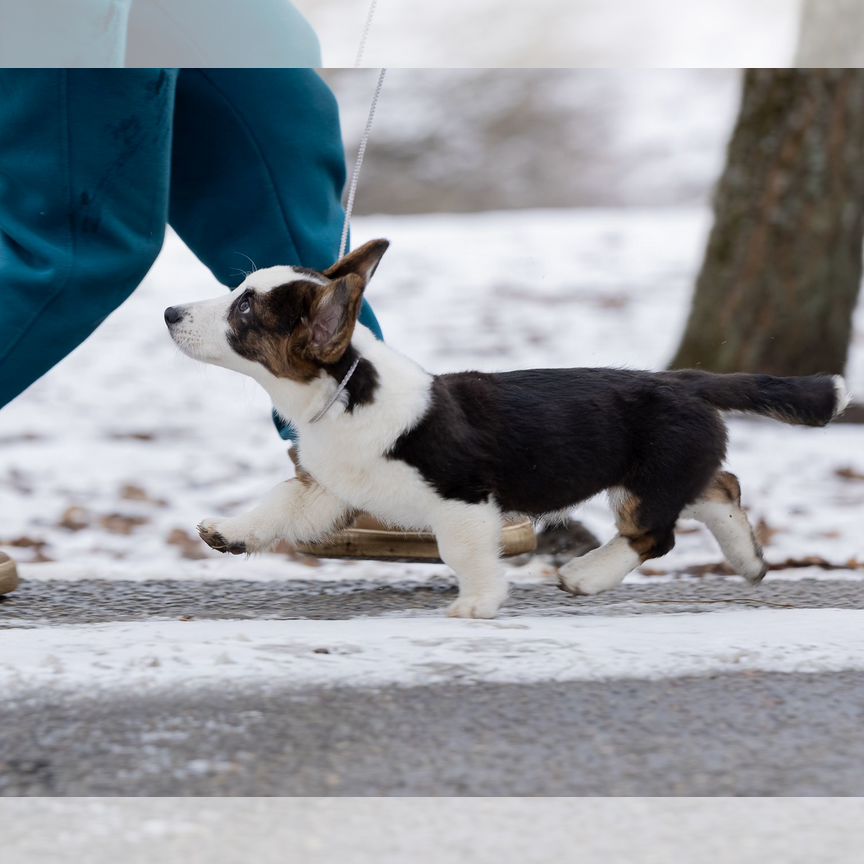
column 95, row 163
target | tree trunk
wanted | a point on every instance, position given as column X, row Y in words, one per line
column 781, row 274
column 831, row 34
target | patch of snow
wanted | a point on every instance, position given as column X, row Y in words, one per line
column 602, row 33
column 431, row 830
column 426, row 649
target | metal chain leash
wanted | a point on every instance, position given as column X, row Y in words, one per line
column 358, row 163
column 364, row 138
column 364, row 37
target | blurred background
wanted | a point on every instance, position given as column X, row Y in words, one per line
column 466, row 140
column 599, row 33
column 565, row 33
column 782, row 150
column 416, row 33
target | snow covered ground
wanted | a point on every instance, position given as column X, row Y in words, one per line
column 434, row 830
column 603, row 33
column 418, row 651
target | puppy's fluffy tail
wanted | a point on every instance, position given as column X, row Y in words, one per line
column 814, row 400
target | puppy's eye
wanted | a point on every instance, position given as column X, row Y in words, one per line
column 245, row 305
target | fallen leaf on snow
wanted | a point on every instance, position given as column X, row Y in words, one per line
column 74, row 519
column 765, row 533
column 189, row 547
column 131, row 492
column 849, row 473
column 121, row 523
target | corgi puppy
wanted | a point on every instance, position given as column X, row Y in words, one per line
column 454, row 453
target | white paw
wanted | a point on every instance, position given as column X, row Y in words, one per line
column 477, row 606
column 754, row 572
column 225, row 535
column 584, row 585
column 581, row 580
column 600, row 569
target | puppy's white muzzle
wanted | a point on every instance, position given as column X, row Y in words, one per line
column 200, row 331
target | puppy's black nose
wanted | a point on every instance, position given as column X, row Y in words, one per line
column 173, row 314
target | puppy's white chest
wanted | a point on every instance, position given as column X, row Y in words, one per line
column 346, row 468
column 387, row 488
column 342, row 470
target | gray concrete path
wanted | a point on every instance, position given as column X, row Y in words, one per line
column 755, row 734
column 90, row 601
column 742, row 734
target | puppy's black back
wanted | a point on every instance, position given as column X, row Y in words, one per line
column 542, row 440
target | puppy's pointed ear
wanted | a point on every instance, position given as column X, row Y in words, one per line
column 363, row 261
column 332, row 318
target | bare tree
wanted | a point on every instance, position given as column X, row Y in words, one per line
column 782, row 271
column 831, row 34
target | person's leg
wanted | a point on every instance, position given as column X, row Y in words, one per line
column 84, row 172
column 220, row 33
column 258, row 170
column 63, row 33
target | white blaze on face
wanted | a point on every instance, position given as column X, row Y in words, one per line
column 202, row 332
column 265, row 280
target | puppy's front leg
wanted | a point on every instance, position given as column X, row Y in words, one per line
column 469, row 541
column 299, row 511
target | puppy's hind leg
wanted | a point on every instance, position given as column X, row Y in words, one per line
column 469, row 540
column 719, row 509
column 600, row 569
column 606, row 567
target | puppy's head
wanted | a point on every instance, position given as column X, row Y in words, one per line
column 287, row 322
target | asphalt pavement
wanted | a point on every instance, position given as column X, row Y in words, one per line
column 750, row 733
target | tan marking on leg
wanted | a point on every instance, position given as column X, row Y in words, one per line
column 644, row 545
column 300, row 472
column 625, row 505
column 723, row 487
column 626, row 508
